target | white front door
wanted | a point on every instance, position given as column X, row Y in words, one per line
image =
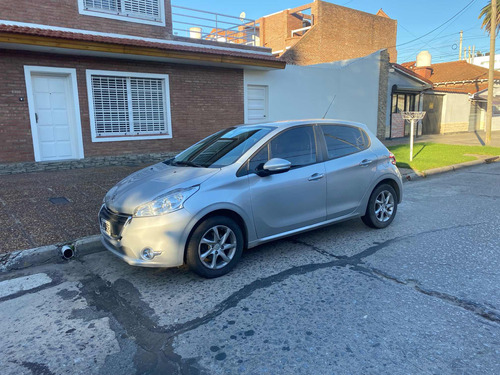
column 257, row 104
column 53, row 118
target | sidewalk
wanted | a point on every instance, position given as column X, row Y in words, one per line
column 468, row 139
column 28, row 217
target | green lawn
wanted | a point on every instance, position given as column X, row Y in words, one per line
column 434, row 155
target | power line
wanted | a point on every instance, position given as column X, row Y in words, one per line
column 404, row 28
column 466, row 7
column 441, row 37
column 444, row 23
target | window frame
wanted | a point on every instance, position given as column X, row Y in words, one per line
column 244, row 171
column 325, row 145
column 124, row 17
column 139, row 137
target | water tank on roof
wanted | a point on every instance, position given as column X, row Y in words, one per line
column 423, row 59
column 195, row 32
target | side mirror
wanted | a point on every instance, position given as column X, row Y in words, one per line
column 275, row 166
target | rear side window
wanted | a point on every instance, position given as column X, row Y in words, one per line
column 342, row 140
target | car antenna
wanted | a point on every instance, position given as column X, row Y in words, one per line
column 334, row 96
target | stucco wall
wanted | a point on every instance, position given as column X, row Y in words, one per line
column 302, row 92
column 456, row 113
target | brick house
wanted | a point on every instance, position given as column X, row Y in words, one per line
column 457, row 101
column 90, row 79
column 321, row 32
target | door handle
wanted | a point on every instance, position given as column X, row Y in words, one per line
column 365, row 162
column 36, row 117
column 316, row 176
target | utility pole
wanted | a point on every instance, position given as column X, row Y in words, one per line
column 460, row 48
column 489, row 110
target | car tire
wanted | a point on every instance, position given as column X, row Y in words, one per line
column 382, row 207
column 214, row 247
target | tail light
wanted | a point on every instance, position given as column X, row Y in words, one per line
column 393, row 158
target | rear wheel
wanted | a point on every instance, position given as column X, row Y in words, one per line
column 382, row 207
column 215, row 247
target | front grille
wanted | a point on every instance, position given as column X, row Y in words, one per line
column 116, row 221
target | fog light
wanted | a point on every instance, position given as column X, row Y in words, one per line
column 148, row 253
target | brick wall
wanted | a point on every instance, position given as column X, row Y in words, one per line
column 275, row 30
column 203, row 100
column 341, row 33
column 64, row 13
column 398, row 126
column 382, row 94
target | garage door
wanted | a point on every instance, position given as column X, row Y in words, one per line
column 257, row 104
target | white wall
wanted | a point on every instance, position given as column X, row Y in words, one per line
column 305, row 92
column 484, row 61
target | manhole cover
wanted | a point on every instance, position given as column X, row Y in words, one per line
column 59, row 200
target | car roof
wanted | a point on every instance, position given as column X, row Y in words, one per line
column 292, row 123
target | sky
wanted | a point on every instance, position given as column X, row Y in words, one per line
column 415, row 18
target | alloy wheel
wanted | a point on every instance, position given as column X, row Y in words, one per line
column 217, row 247
column 384, row 206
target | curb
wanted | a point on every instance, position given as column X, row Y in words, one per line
column 37, row 256
column 449, row 168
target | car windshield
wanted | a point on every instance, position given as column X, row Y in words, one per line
column 222, row 148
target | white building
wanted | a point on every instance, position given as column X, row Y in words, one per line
column 484, row 61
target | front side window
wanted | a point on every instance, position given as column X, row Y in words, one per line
column 142, row 9
column 295, row 145
column 344, row 140
column 128, row 105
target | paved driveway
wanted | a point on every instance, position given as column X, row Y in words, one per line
column 420, row 297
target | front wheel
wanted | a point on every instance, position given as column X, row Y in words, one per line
column 214, row 247
column 382, row 207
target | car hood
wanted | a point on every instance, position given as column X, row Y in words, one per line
column 148, row 183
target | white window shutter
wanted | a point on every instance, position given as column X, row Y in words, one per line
column 143, row 8
column 110, row 105
column 149, row 9
column 129, row 106
column 148, row 105
column 110, row 5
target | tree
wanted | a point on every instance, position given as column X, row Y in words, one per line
column 486, row 15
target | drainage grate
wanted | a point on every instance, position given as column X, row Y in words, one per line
column 59, row 200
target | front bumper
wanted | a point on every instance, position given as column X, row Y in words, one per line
column 166, row 234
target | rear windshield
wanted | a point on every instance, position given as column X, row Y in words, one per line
column 222, row 148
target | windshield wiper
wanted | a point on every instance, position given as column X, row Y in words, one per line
column 188, row 163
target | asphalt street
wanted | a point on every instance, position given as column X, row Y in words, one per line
column 420, row 297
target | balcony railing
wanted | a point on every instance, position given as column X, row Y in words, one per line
column 200, row 24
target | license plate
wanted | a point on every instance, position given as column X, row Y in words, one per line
column 106, row 227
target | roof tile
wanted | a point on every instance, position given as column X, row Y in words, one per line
column 456, row 76
column 132, row 42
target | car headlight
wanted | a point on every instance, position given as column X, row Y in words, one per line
column 165, row 203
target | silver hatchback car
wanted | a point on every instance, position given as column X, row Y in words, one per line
column 247, row 185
